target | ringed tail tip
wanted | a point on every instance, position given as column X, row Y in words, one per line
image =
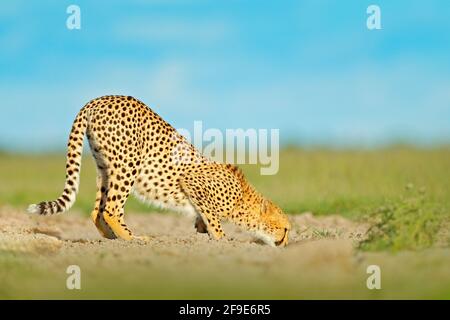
column 33, row 209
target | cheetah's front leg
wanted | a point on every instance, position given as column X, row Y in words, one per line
column 203, row 204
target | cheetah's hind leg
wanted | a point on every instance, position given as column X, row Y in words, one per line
column 115, row 202
column 100, row 200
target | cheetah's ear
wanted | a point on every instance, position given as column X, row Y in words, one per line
column 264, row 206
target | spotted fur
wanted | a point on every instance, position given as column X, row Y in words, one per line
column 136, row 151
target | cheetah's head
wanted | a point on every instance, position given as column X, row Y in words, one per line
column 274, row 225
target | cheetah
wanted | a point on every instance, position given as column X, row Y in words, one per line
column 137, row 152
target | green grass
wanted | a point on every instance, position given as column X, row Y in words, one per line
column 321, row 181
column 411, row 223
column 352, row 183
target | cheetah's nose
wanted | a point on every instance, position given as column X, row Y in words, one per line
column 284, row 241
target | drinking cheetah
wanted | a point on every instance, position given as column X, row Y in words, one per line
column 135, row 150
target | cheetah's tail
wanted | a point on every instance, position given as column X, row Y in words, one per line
column 73, row 166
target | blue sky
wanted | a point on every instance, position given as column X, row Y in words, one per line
column 310, row 68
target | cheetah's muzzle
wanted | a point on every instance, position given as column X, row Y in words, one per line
column 284, row 241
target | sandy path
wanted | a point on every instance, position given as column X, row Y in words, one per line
column 319, row 262
column 63, row 233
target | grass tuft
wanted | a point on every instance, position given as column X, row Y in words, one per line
column 409, row 223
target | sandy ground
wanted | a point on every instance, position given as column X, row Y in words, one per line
column 68, row 232
column 177, row 263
